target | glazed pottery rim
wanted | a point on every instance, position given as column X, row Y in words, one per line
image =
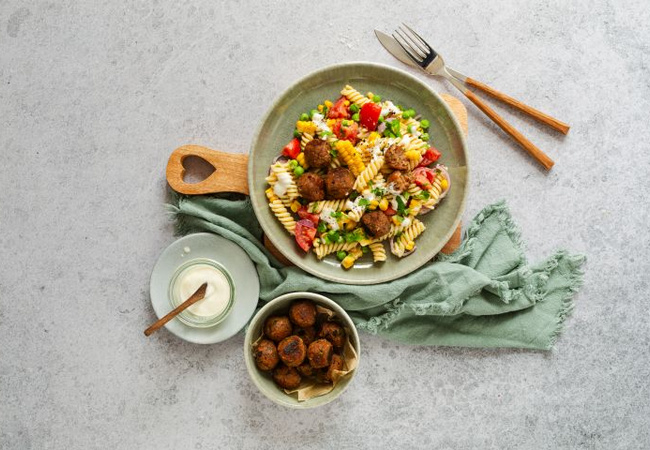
column 290, row 253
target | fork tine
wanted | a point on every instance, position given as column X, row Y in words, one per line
column 408, row 51
column 425, row 49
column 420, row 38
column 409, row 42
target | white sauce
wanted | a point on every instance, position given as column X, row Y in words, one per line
column 391, row 189
column 406, row 222
column 217, row 294
column 283, row 183
column 326, row 216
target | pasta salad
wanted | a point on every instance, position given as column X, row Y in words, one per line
column 356, row 176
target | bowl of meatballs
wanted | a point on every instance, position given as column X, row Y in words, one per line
column 301, row 350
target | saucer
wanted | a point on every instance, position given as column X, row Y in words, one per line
column 229, row 255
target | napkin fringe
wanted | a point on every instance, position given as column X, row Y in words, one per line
column 575, row 277
column 383, row 321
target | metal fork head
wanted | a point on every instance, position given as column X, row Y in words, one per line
column 418, row 50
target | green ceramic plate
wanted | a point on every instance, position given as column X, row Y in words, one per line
column 277, row 128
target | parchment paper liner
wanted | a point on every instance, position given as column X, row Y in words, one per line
column 309, row 388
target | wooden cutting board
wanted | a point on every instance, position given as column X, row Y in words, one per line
column 230, row 174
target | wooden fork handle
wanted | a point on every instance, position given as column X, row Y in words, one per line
column 532, row 112
column 230, row 174
column 536, row 153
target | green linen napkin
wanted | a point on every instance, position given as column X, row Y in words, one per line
column 483, row 295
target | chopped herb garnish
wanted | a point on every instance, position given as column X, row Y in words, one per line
column 364, row 202
column 378, row 192
column 334, row 153
column 424, row 195
column 401, row 206
column 354, row 195
column 336, row 214
column 365, row 249
column 322, row 227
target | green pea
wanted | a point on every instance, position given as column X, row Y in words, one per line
column 376, row 98
column 425, row 136
column 340, row 255
column 380, row 120
column 298, row 171
column 293, row 164
column 355, row 117
column 304, row 117
column 312, row 112
column 297, row 134
column 354, row 108
column 424, row 124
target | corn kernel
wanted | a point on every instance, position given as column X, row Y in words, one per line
column 373, row 205
column 370, row 95
column 330, row 123
column 328, row 103
column 396, row 221
column 412, row 155
column 409, row 245
column 373, row 137
column 270, row 194
column 415, row 203
column 305, row 126
column 351, row 225
column 348, row 262
column 383, row 204
column 444, row 184
column 320, row 108
column 346, row 102
column 295, row 206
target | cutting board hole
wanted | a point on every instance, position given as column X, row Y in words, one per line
column 197, row 169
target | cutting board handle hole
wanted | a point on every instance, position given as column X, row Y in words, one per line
column 197, row 169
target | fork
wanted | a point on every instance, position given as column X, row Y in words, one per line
column 431, row 62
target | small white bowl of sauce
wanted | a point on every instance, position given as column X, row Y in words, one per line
column 219, row 295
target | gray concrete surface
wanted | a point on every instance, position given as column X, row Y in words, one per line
column 94, row 96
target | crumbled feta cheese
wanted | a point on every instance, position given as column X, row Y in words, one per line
column 321, row 125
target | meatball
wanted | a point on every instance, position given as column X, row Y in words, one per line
column 292, row 351
column 396, row 159
column 317, row 153
column 401, row 181
column 320, row 353
column 303, row 313
column 334, row 333
column 305, row 369
column 376, row 223
column 311, row 187
column 277, row 328
column 266, row 355
column 307, row 334
column 339, row 183
column 286, row 377
column 337, row 364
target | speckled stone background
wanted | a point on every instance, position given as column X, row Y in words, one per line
column 95, row 95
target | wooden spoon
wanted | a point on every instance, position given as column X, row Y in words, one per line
column 198, row 295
